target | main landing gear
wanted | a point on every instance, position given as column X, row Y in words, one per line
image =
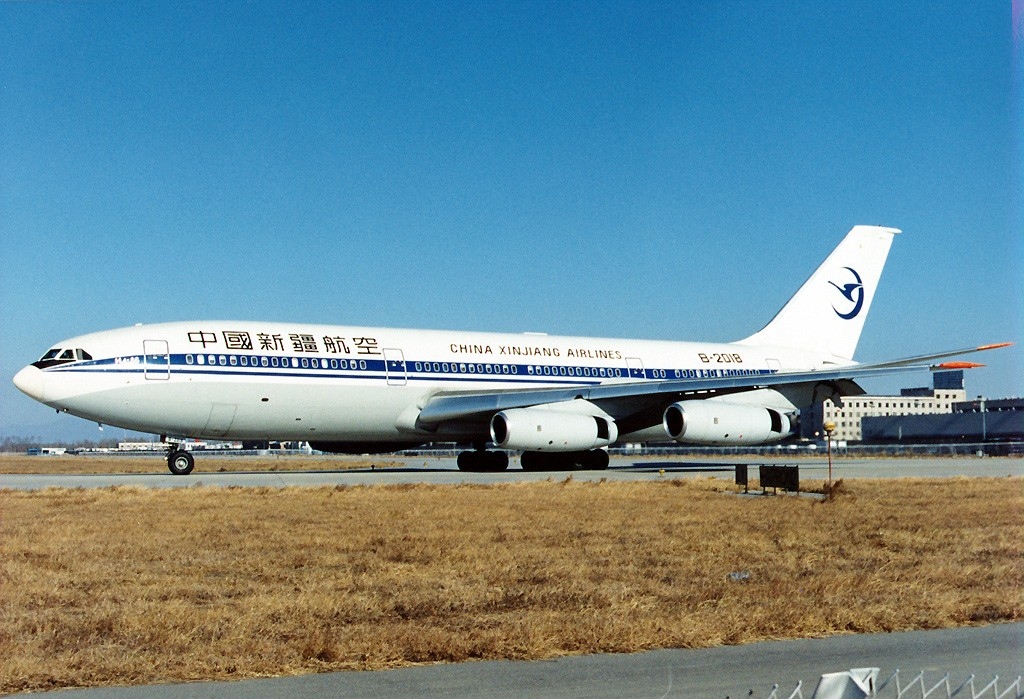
column 481, row 461
column 593, row 460
column 180, row 462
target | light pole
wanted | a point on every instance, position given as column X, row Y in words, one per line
column 829, row 427
column 984, row 430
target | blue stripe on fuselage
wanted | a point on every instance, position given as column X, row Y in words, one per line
column 344, row 368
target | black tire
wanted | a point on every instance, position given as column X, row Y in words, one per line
column 180, row 462
column 466, row 462
column 596, row 460
column 545, row 461
column 482, row 461
column 497, row 461
column 529, row 461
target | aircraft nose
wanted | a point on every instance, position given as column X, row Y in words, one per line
column 30, row 381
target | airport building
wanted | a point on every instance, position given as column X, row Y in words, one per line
column 947, row 390
column 973, row 421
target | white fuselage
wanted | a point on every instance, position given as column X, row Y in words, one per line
column 253, row 380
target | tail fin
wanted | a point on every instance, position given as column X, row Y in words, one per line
column 827, row 314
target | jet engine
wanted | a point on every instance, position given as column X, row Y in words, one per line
column 722, row 423
column 540, row 429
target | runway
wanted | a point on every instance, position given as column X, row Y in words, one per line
column 731, row 671
column 443, row 471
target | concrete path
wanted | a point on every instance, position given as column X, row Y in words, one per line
column 715, row 673
column 444, row 471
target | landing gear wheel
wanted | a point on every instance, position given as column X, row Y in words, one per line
column 180, row 462
column 483, row 461
column 595, row 460
column 466, row 461
column 544, row 461
column 497, row 461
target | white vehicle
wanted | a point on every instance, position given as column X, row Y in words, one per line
column 559, row 400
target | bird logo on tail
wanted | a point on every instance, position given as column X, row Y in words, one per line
column 852, row 292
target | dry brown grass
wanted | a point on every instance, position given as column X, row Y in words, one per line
column 128, row 585
column 205, row 463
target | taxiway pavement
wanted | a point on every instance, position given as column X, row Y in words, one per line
column 730, row 671
column 443, row 471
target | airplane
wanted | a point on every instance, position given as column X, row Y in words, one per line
column 561, row 401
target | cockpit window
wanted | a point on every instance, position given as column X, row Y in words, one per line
column 62, row 356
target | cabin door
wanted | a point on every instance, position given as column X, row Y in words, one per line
column 636, row 367
column 394, row 367
column 156, row 360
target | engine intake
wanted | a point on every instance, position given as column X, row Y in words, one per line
column 722, row 423
column 540, row 429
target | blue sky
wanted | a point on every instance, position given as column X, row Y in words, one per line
column 658, row 170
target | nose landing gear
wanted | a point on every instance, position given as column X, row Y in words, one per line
column 180, row 462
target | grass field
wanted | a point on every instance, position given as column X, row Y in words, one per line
column 127, row 585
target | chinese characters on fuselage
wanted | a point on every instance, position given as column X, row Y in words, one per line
column 296, row 342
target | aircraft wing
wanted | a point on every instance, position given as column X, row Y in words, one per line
column 920, row 360
column 471, row 406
